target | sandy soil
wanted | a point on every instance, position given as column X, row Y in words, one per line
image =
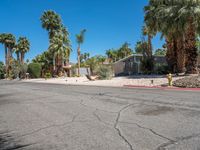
column 116, row 81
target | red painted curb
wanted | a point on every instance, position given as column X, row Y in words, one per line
column 163, row 88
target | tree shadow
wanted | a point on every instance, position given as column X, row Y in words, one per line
column 7, row 142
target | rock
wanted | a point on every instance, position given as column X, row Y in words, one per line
column 188, row 82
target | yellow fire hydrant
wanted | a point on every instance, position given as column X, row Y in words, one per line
column 169, row 77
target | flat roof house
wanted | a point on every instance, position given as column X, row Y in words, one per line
column 132, row 64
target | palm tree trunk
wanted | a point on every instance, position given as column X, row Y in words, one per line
column 8, row 56
column 149, row 46
column 79, row 63
column 191, row 49
column 18, row 57
column 54, row 62
column 171, row 55
column 180, row 56
column 22, row 58
column 6, row 59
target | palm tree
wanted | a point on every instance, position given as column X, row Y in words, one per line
column 2, row 41
column 178, row 21
column 60, row 48
column 147, row 32
column 80, row 40
column 9, row 42
column 124, row 50
column 23, row 47
column 51, row 21
column 159, row 19
column 109, row 54
column 189, row 14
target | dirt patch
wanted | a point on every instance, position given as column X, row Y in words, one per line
column 155, row 110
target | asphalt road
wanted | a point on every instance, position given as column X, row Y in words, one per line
column 60, row 117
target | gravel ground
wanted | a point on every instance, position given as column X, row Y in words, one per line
column 115, row 82
column 189, row 82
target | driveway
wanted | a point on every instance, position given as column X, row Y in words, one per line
column 38, row 116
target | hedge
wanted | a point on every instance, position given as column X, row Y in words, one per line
column 34, row 69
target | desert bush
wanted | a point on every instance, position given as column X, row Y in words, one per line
column 34, row 69
column 47, row 75
column 161, row 69
column 147, row 65
column 104, row 72
column 14, row 69
column 23, row 70
column 2, row 70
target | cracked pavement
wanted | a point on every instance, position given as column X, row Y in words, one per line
column 35, row 116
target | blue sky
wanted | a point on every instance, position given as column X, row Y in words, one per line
column 109, row 23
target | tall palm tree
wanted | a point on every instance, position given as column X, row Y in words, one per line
column 147, row 32
column 80, row 40
column 60, row 48
column 2, row 41
column 189, row 14
column 23, row 47
column 9, row 42
column 181, row 19
column 51, row 21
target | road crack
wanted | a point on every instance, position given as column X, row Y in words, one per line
column 99, row 119
column 118, row 129
column 151, row 130
column 180, row 139
column 50, row 126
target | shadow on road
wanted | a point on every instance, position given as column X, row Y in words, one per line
column 7, row 142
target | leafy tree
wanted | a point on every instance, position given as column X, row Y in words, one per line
column 160, row 52
column 124, row 51
column 100, row 59
column 141, row 47
column 84, row 57
column 80, row 39
column 92, row 63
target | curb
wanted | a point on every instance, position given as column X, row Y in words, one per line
column 162, row 88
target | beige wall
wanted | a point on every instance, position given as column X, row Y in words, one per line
column 118, row 67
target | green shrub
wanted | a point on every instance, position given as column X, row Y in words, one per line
column 104, row 72
column 23, row 70
column 2, row 70
column 34, row 69
column 161, row 69
column 147, row 65
column 14, row 69
column 47, row 75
